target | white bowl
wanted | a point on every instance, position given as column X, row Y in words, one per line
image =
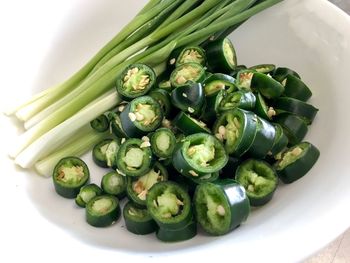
column 45, row 41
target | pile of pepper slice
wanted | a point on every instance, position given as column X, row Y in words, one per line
column 198, row 145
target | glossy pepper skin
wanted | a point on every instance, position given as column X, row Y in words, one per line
column 221, row 206
column 217, row 82
column 185, row 233
column 221, row 55
column 295, row 88
column 266, row 85
column 100, row 124
column 189, row 125
column 86, row 193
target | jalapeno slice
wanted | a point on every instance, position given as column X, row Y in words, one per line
column 244, row 79
column 298, row 107
column 198, row 155
column 141, row 116
column 163, row 98
column 138, row 188
column 221, row 55
column 100, row 124
column 220, row 206
column 69, row 175
column 237, row 69
column 105, row 152
column 187, row 232
column 134, row 157
column 281, row 73
column 187, row 72
column 189, row 54
column 102, row 210
column 230, row 168
column 259, row 180
column 114, row 183
column 138, row 220
column 295, row 88
column 262, row 109
column 136, row 80
column 280, row 142
column 296, row 162
column 189, row 125
column 266, row 85
column 294, row 127
column 163, row 142
column 86, row 193
column 263, row 140
column 264, row 68
column 236, row 129
column 116, row 125
column 188, row 98
column 169, row 205
column 212, row 106
column 217, row 82
column 242, row 99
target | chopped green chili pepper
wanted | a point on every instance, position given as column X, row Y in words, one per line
column 264, row 68
column 236, row 129
column 105, row 152
column 280, row 141
column 163, row 98
column 141, row 116
column 116, row 125
column 100, row 124
column 134, row 157
column 187, row 232
column 221, row 206
column 211, row 109
column 242, row 99
column 259, row 180
column 189, row 125
column 244, row 79
column 262, row 109
column 86, row 193
column 188, row 98
column 114, row 183
column 296, row 88
column 69, row 175
column 296, row 162
column 266, row 85
column 221, row 55
column 217, row 82
column 187, row 72
column 138, row 220
column 237, row 69
column 280, row 74
column 198, row 155
column 230, row 168
column 169, row 205
column 138, row 188
column 294, row 127
column 102, row 210
column 136, row 80
column 189, row 54
column 163, row 142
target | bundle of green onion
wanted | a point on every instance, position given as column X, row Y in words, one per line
column 57, row 119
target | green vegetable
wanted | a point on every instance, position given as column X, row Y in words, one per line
column 266, row 85
column 217, row 82
column 189, row 125
column 163, row 142
column 102, row 210
column 221, row 55
column 100, row 124
column 187, row 72
column 86, row 193
column 114, row 183
column 105, row 152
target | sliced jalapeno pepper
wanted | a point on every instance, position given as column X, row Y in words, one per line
column 138, row 188
column 163, row 142
column 218, row 81
column 198, row 155
column 69, row 175
column 116, row 125
column 262, row 109
column 236, row 129
column 230, row 168
column 280, row 74
column 221, row 206
column 294, row 127
column 189, row 54
column 138, row 220
column 264, row 68
column 259, row 180
column 212, row 105
column 263, row 140
column 280, row 142
column 100, row 124
column 114, row 183
column 187, row 72
column 169, row 205
column 221, row 55
column 86, row 193
column 135, row 81
column 105, row 152
column 187, row 232
column 296, row 88
column 237, row 69
column 242, row 99
column 188, row 98
column 102, row 210
column 134, row 157
column 165, row 85
column 298, row 107
column 141, row 116
column 189, row 125
column 296, row 162
column 266, row 85
column 163, row 98
column 244, row 79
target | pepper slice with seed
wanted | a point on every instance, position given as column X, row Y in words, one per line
column 187, row 72
column 266, row 85
column 198, row 155
column 188, row 54
column 135, row 81
column 134, row 157
column 137, row 188
column 163, row 98
column 105, row 152
column 102, row 210
column 169, row 205
column 69, row 175
column 138, row 220
column 221, row 55
column 242, row 99
column 86, row 193
column 262, row 109
column 217, row 82
column 244, row 79
column 236, row 129
column 141, row 116
column 296, row 162
column 189, row 125
column 163, row 142
column 116, row 124
column 264, row 68
column 114, row 183
column 220, row 206
column 259, row 180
